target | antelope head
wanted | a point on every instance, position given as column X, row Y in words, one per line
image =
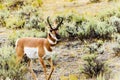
column 54, row 31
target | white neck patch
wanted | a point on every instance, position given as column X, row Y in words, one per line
column 54, row 37
column 51, row 42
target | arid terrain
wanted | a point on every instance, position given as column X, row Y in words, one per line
column 68, row 57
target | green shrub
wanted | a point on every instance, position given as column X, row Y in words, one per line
column 81, row 27
column 87, row 28
column 104, row 30
column 72, row 24
column 34, row 22
column 96, row 47
column 93, row 66
column 8, row 63
column 3, row 15
column 26, row 17
column 14, row 22
column 32, row 17
column 115, row 22
column 63, row 32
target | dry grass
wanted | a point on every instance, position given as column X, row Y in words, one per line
column 53, row 7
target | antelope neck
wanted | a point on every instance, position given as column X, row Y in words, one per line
column 51, row 39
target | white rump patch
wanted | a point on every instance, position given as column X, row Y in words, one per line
column 31, row 52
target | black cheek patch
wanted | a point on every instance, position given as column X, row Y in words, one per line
column 58, row 36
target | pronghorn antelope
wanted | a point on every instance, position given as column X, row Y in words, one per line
column 39, row 48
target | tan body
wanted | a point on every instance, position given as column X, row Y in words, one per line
column 39, row 43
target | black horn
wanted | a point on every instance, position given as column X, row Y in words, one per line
column 49, row 22
column 60, row 19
